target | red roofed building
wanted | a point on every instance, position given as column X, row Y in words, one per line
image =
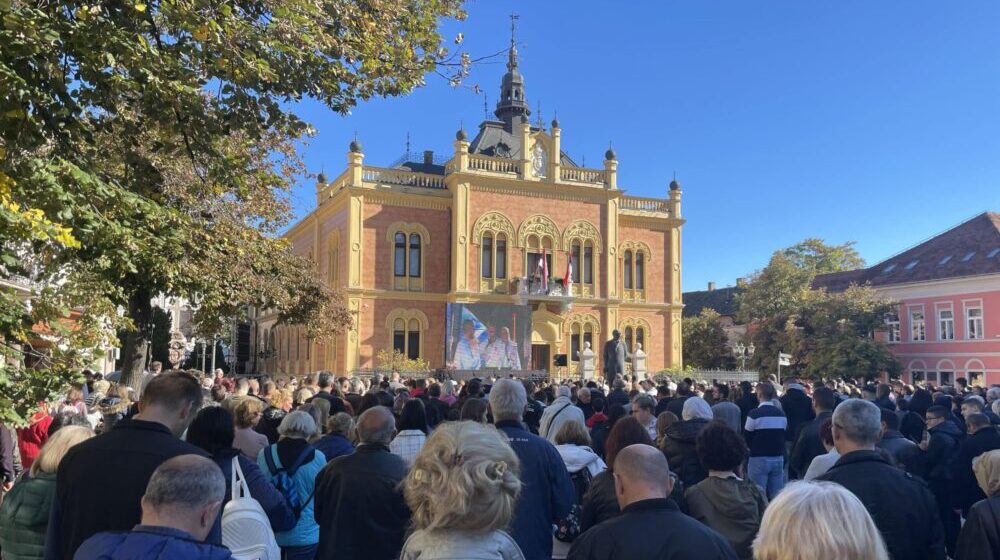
column 948, row 289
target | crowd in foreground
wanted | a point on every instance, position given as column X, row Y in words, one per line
column 210, row 467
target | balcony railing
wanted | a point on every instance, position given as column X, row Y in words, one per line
column 642, row 204
column 581, row 175
column 494, row 165
column 402, row 177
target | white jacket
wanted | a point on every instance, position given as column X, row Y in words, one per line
column 579, row 457
column 561, row 410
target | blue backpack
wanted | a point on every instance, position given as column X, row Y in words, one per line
column 283, row 479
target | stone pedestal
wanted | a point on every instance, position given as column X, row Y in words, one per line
column 588, row 362
column 639, row 363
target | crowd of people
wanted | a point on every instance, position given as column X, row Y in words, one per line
column 212, row 467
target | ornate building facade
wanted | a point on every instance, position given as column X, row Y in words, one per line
column 403, row 242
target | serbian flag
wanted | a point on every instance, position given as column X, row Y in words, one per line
column 568, row 279
column 543, row 271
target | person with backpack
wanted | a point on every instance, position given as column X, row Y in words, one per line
column 213, row 431
column 293, row 465
column 582, row 464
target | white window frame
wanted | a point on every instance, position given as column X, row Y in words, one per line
column 912, row 323
column 894, row 334
column 945, row 326
column 972, row 331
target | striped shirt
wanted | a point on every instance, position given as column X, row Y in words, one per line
column 765, row 431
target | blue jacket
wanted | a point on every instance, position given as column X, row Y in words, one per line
column 333, row 446
column 547, row 493
column 147, row 542
column 306, row 531
column 279, row 513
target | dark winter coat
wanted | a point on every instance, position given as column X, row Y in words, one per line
column 359, row 505
column 746, row 404
column 901, row 506
column 334, row 445
column 146, row 542
column 547, row 494
column 904, row 452
column 651, row 529
column 799, row 411
column 679, row 447
column 808, row 445
column 676, row 405
column 268, row 424
column 980, row 536
column 965, row 489
column 942, row 449
column 101, row 481
column 599, row 435
column 24, row 516
column 731, row 506
column 911, row 425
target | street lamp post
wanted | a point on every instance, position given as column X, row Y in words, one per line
column 743, row 353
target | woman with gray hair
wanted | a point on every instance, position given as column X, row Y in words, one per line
column 679, row 441
column 295, row 458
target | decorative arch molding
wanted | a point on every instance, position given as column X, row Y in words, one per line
column 495, row 222
column 583, row 319
column 406, row 315
column 946, row 365
column 636, row 246
column 539, row 225
column 918, row 365
column 634, row 322
column 408, row 228
column 583, row 230
column 975, row 364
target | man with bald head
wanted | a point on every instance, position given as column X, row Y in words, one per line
column 359, row 499
column 651, row 526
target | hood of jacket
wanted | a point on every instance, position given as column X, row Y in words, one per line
column 947, row 428
column 686, row 430
column 733, row 498
column 576, row 457
column 112, row 405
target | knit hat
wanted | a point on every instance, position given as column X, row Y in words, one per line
column 696, row 407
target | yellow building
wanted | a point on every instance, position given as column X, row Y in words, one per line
column 404, row 242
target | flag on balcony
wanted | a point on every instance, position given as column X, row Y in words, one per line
column 543, row 271
column 568, row 279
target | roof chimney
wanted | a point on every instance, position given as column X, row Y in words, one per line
column 428, row 157
column 711, row 286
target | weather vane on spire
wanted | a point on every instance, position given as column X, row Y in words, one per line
column 512, row 56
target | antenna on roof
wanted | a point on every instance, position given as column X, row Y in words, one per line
column 540, row 123
column 407, row 144
column 486, row 106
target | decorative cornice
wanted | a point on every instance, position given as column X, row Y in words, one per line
column 583, row 230
column 407, row 200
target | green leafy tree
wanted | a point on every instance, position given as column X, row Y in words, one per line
column 149, row 147
column 705, row 342
column 816, row 256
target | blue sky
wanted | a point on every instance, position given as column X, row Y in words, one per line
column 877, row 122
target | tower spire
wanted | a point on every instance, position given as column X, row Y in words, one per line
column 512, row 53
column 512, row 106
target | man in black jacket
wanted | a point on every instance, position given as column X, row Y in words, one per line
column 747, row 401
column 798, row 409
column 359, row 503
column 983, row 437
column 651, row 526
column 101, row 481
column 809, row 445
column 901, row 506
column 939, row 454
column 903, row 451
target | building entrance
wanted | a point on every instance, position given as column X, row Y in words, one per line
column 540, row 357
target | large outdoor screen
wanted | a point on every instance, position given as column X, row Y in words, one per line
column 488, row 336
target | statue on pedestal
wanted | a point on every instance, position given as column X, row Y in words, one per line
column 639, row 362
column 587, row 358
column 613, row 357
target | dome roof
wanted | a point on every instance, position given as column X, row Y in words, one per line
column 355, row 146
column 321, row 177
column 674, row 185
column 461, row 135
column 610, row 154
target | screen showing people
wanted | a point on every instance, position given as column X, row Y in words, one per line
column 488, row 336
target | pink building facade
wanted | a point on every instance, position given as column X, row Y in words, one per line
column 948, row 293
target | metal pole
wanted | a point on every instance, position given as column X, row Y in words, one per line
column 203, row 345
column 213, row 355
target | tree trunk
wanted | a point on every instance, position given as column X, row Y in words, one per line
column 140, row 310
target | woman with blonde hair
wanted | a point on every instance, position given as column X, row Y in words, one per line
column 462, row 490
column 818, row 521
column 980, row 536
column 24, row 514
column 247, row 414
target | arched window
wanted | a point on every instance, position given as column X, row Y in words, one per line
column 501, row 256
column 414, row 255
column 582, row 328
column 629, row 339
column 486, row 264
column 588, row 262
column 399, row 256
column 627, row 273
column 640, row 338
column 406, row 328
column 407, row 242
column 575, row 347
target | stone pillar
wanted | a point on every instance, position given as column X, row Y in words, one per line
column 610, row 170
column 526, row 170
column 555, row 158
column 355, row 157
column 588, row 362
column 461, row 161
column 639, row 362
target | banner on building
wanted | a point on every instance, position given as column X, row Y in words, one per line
column 488, row 336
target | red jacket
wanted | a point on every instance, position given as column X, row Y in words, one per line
column 31, row 439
